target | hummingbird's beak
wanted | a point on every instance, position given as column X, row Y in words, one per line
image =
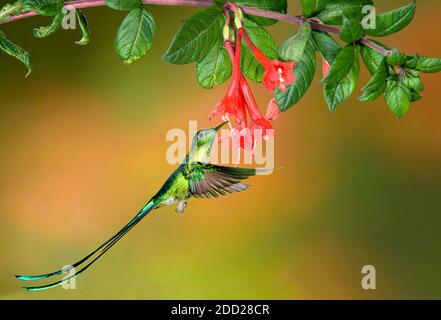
column 220, row 126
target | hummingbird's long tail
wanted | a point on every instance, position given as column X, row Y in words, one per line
column 96, row 254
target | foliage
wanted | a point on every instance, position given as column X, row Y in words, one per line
column 395, row 75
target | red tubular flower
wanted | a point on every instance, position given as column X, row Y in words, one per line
column 226, row 108
column 259, row 126
column 239, row 101
column 326, row 67
column 242, row 139
column 261, row 129
column 273, row 111
column 278, row 74
column 232, row 105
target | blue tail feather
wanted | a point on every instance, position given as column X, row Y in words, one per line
column 104, row 248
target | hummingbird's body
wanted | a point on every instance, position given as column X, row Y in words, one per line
column 195, row 177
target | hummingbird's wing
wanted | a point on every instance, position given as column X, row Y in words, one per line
column 212, row 181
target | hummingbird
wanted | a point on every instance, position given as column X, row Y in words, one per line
column 195, row 177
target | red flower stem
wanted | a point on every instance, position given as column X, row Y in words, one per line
column 250, row 101
column 235, row 59
column 81, row 4
column 256, row 51
column 232, row 6
column 229, row 46
column 227, row 17
column 235, row 56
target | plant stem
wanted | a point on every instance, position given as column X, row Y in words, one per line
column 81, row 4
column 376, row 47
column 9, row 10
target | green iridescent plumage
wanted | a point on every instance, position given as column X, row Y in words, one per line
column 195, row 177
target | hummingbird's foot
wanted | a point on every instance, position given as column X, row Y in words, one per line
column 181, row 206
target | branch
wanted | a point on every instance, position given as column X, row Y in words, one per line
column 298, row 20
column 365, row 41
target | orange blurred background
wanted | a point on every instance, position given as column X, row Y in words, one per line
column 83, row 148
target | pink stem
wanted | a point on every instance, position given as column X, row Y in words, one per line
column 365, row 41
column 20, row 17
column 81, row 4
column 230, row 50
column 227, row 17
column 376, row 47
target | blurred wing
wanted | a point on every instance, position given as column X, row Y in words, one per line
column 211, row 181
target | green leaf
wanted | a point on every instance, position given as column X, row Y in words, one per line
column 135, row 35
column 415, row 95
column 279, row 6
column 123, row 4
column 310, row 7
column 413, row 72
column 352, row 30
column 328, row 47
column 215, row 68
column 372, row 58
column 424, row 64
column 9, row 10
column 341, row 66
column 43, row 32
column 411, row 60
column 413, row 82
column 196, row 37
column 15, row 51
column 336, row 93
column 335, row 9
column 377, row 85
column 292, row 49
column 265, row 42
column 304, row 73
column 393, row 21
column 84, row 26
column 398, row 98
column 44, row 7
column 396, row 58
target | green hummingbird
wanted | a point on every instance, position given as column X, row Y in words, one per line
column 195, row 177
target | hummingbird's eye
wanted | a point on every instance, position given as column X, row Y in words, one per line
column 201, row 135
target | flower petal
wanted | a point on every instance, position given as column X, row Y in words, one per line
column 273, row 111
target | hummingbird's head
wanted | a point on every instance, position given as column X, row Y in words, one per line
column 202, row 143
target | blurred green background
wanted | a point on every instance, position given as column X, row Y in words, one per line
column 83, row 147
